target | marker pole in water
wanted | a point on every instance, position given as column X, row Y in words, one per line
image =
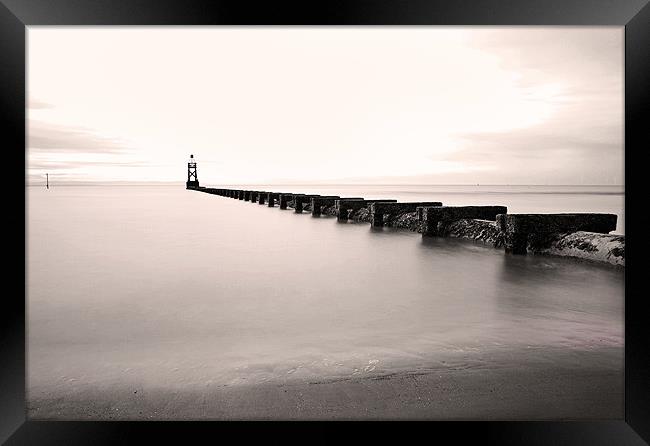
column 47, row 180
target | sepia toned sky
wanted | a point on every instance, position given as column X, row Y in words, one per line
column 260, row 105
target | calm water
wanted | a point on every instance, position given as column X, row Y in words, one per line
column 176, row 288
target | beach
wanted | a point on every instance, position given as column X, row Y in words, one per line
column 158, row 303
column 584, row 385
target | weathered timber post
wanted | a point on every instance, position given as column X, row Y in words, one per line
column 284, row 199
column 377, row 210
column 297, row 198
column 271, row 197
column 261, row 198
column 318, row 202
column 435, row 219
column 346, row 206
column 300, row 200
column 535, row 231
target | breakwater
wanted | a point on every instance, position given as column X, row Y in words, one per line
column 580, row 235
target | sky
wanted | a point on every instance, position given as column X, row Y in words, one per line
column 303, row 105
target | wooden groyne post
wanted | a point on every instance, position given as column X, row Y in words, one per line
column 346, row 206
column 299, row 201
column 261, row 197
column 317, row 203
column 284, row 200
column 271, row 197
column 379, row 209
column 523, row 231
column 434, row 219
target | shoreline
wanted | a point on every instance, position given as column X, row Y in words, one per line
column 582, row 385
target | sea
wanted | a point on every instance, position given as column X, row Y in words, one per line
column 156, row 284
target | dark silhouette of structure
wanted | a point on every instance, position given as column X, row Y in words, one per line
column 192, row 178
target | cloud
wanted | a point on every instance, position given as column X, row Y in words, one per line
column 44, row 164
column 530, row 144
column 542, row 154
column 567, row 53
column 582, row 137
column 74, row 153
column 48, row 137
column 524, row 104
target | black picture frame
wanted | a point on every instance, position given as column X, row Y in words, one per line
column 16, row 15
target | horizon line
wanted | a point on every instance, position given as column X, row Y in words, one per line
column 127, row 182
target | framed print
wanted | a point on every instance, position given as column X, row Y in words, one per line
column 341, row 213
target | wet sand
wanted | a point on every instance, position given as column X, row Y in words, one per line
column 572, row 385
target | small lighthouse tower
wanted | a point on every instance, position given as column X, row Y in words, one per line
column 192, row 178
